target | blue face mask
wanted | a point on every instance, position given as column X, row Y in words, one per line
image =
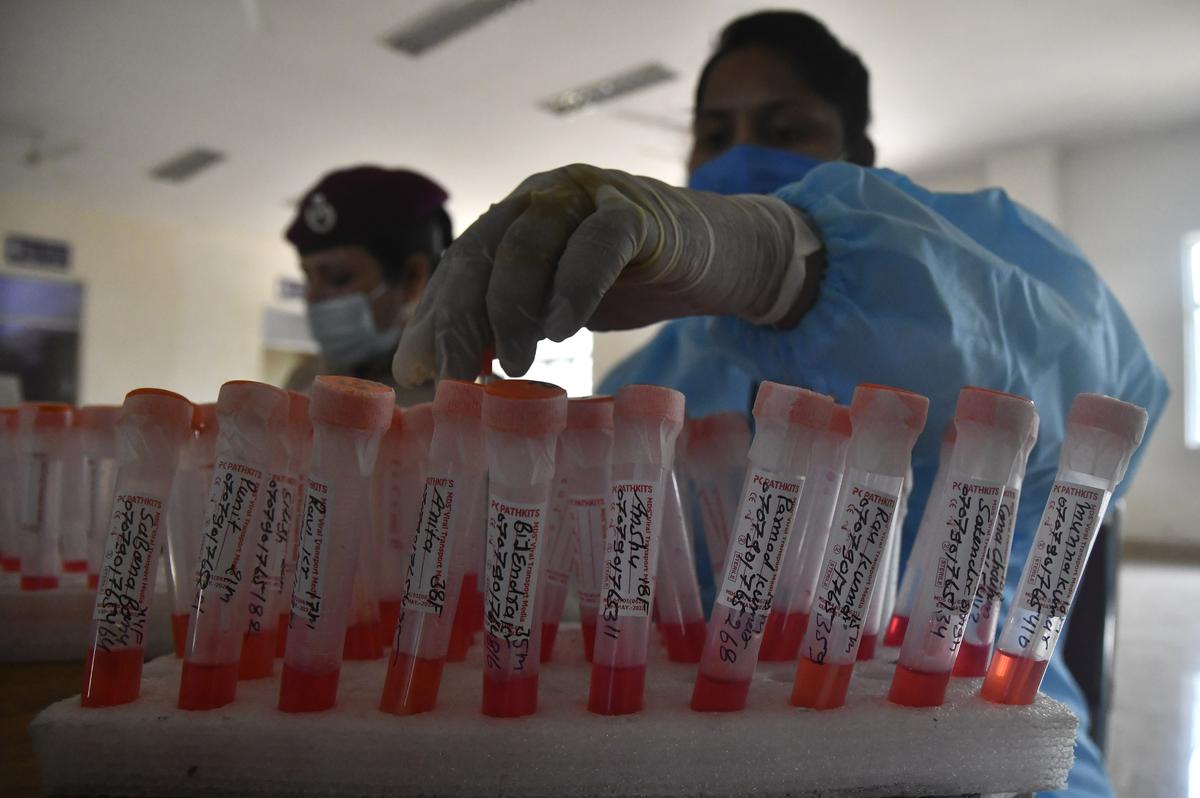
column 750, row 169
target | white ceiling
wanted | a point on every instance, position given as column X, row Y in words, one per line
column 291, row 88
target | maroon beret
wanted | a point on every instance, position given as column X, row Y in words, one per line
column 366, row 205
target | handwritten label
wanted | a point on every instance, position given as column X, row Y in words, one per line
column 628, row 573
column 308, row 590
column 270, row 543
column 429, row 562
column 514, row 537
column 1064, row 539
column 857, row 539
column 235, row 492
column 981, row 623
column 587, row 518
column 968, row 519
column 124, row 594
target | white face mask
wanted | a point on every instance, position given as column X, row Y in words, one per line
column 345, row 330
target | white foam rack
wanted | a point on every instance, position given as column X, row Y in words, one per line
column 869, row 747
column 53, row 625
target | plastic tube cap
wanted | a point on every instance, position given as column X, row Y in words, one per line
column 718, row 425
column 787, row 404
column 839, row 421
column 418, row 420
column 1125, row 420
column 458, row 399
column 46, row 415
column 8, row 417
column 950, row 433
column 525, row 407
column 166, row 408
column 208, row 415
column 649, row 401
column 1004, row 411
column 351, row 402
column 885, row 403
column 591, row 412
column 299, row 421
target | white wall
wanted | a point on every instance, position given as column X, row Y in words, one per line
column 165, row 305
column 1127, row 202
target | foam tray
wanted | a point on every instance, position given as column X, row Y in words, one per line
column 53, row 625
column 868, row 747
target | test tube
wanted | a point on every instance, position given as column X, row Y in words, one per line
column 885, row 424
column 646, row 421
column 587, row 450
column 250, row 416
column 787, row 420
column 270, row 543
column 788, row 620
column 450, row 512
column 300, row 448
column 10, row 536
column 41, row 430
column 521, row 421
column 1102, row 435
column 400, row 481
column 980, row 634
column 99, row 424
column 919, row 554
column 991, row 428
column 75, row 515
column 717, row 449
column 892, row 584
column 868, row 644
column 153, row 429
column 185, row 524
column 680, row 611
column 559, row 559
column 349, row 417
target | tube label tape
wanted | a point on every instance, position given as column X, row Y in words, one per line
column 126, row 587
column 428, row 572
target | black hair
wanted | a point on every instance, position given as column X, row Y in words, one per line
column 428, row 237
column 831, row 70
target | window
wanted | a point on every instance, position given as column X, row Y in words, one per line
column 1191, row 340
column 567, row 364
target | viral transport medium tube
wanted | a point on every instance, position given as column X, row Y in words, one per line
column 991, row 428
column 153, row 429
column 99, row 423
column 184, row 527
column 559, row 559
column 522, row 420
column 885, row 425
column 75, row 513
column 680, row 611
column 349, row 417
column 976, row 649
column 41, row 433
column 646, row 421
column 717, row 450
column 788, row 620
column 399, row 482
column 450, row 512
column 787, row 420
column 10, row 535
column 1102, row 435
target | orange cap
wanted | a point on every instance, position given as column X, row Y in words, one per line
column 950, row 433
column 715, row 425
column 1122, row 419
column 299, row 420
column 47, row 415
column 525, row 407
column 839, row 421
column 418, row 420
column 165, row 407
column 649, row 401
column 869, row 396
column 458, row 399
column 8, row 417
column 787, row 404
column 591, row 412
column 351, row 402
column 208, row 415
column 1005, row 411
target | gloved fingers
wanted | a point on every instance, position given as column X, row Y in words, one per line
column 523, row 270
column 595, row 255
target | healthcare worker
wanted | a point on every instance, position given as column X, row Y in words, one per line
column 368, row 240
column 789, row 259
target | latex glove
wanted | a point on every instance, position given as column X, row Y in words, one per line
column 587, row 246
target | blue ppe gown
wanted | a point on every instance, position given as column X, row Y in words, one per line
column 931, row 292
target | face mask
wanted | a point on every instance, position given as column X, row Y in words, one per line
column 344, row 328
column 750, row 169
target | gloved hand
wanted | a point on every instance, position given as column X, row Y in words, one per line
column 587, row 246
